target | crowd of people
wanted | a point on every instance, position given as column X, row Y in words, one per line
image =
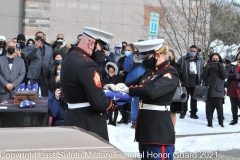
column 37, row 61
column 74, row 76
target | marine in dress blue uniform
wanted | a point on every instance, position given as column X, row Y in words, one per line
column 81, row 84
column 156, row 87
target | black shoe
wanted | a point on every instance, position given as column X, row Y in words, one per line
column 182, row 116
column 194, row 116
column 233, row 122
column 220, row 122
column 209, row 119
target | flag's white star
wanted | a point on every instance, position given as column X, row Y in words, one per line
column 115, row 99
column 106, row 91
column 123, row 93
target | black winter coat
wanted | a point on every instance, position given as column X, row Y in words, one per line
column 214, row 76
column 184, row 61
column 50, row 76
column 231, row 69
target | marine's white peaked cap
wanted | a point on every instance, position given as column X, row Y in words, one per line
column 149, row 45
column 98, row 34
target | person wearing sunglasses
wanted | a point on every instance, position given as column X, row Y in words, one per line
column 60, row 46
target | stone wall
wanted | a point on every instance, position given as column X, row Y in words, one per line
column 36, row 17
column 11, row 15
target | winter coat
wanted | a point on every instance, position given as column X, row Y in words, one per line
column 214, row 76
column 115, row 79
column 63, row 50
column 178, row 68
column 184, row 61
column 134, row 69
column 57, row 110
column 50, row 76
column 231, row 69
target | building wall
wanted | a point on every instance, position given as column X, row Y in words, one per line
column 11, row 15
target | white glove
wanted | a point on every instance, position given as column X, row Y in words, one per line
column 124, row 90
column 110, row 86
column 121, row 85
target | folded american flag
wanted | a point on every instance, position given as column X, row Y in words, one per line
column 27, row 104
column 119, row 98
column 23, row 86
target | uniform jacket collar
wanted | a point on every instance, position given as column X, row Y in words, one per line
column 160, row 66
column 78, row 49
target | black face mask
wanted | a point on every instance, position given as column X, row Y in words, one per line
column 199, row 50
column 11, row 50
column 2, row 44
column 150, row 63
column 22, row 45
column 97, row 56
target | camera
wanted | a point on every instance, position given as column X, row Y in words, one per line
column 18, row 46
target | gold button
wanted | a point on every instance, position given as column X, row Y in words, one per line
column 140, row 85
column 148, row 77
column 136, row 85
column 156, row 68
column 100, row 114
column 143, row 81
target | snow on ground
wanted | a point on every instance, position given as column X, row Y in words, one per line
column 122, row 136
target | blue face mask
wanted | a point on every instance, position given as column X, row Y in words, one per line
column 57, row 61
column 117, row 51
column 127, row 53
column 191, row 54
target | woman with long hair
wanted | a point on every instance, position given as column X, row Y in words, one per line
column 214, row 76
column 233, row 87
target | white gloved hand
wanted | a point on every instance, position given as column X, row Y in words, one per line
column 110, row 86
column 124, row 90
column 121, row 85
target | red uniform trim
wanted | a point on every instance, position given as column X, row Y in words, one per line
column 163, row 151
column 110, row 106
column 168, row 65
column 83, row 55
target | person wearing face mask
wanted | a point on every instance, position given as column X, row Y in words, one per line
column 3, row 51
column 214, row 76
column 112, row 78
column 233, row 87
column 118, row 51
column 12, row 72
column 134, row 70
column 192, row 68
column 81, row 84
column 156, row 87
column 52, row 76
column 30, row 42
column 40, row 56
column 61, row 46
